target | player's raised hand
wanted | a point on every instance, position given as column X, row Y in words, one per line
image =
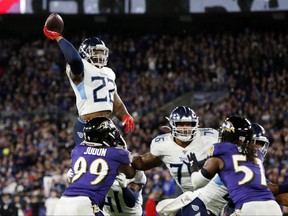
column 128, row 121
column 192, row 162
column 53, row 26
column 51, row 35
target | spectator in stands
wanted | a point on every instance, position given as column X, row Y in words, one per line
column 7, row 206
column 168, row 186
column 150, row 206
column 19, row 203
column 51, row 202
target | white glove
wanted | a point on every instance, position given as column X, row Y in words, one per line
column 69, row 175
column 237, row 212
column 121, row 178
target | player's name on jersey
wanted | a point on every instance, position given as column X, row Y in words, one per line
column 96, row 151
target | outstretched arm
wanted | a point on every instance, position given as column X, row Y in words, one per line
column 146, row 162
column 278, row 188
column 208, row 171
column 280, row 192
column 70, row 53
column 282, row 199
column 119, row 108
column 128, row 170
column 72, row 57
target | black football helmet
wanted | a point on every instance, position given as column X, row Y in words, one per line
column 101, row 131
column 89, row 50
column 259, row 138
column 235, row 129
column 183, row 114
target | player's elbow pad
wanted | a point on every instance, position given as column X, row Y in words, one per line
column 198, row 180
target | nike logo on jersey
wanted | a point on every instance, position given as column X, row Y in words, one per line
column 80, row 134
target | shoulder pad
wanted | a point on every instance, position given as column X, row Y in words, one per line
column 109, row 72
column 208, row 132
column 161, row 138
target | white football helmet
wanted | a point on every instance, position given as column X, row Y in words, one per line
column 89, row 50
column 183, row 114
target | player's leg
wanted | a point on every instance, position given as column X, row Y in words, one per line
column 196, row 207
column 261, row 208
column 187, row 203
column 78, row 131
column 78, row 205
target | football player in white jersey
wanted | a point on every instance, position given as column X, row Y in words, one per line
column 93, row 83
column 173, row 148
column 125, row 196
column 215, row 194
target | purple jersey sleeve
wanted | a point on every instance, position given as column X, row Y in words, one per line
column 121, row 156
column 94, row 171
column 244, row 179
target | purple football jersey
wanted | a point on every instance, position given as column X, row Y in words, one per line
column 244, row 180
column 95, row 170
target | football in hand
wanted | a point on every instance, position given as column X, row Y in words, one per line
column 55, row 23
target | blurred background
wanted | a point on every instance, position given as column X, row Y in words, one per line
column 220, row 57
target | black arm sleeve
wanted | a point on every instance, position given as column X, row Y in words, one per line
column 72, row 56
column 283, row 188
column 130, row 196
column 206, row 174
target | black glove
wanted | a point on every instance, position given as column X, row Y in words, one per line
column 192, row 163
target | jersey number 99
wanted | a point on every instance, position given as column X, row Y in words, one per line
column 98, row 167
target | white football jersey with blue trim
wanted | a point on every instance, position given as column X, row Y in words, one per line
column 115, row 204
column 173, row 155
column 96, row 91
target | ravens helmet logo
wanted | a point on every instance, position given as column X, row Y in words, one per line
column 228, row 126
column 106, row 124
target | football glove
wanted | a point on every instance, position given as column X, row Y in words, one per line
column 121, row 178
column 192, row 163
column 69, row 175
column 51, row 35
column 129, row 122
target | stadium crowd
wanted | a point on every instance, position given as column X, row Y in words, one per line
column 38, row 109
